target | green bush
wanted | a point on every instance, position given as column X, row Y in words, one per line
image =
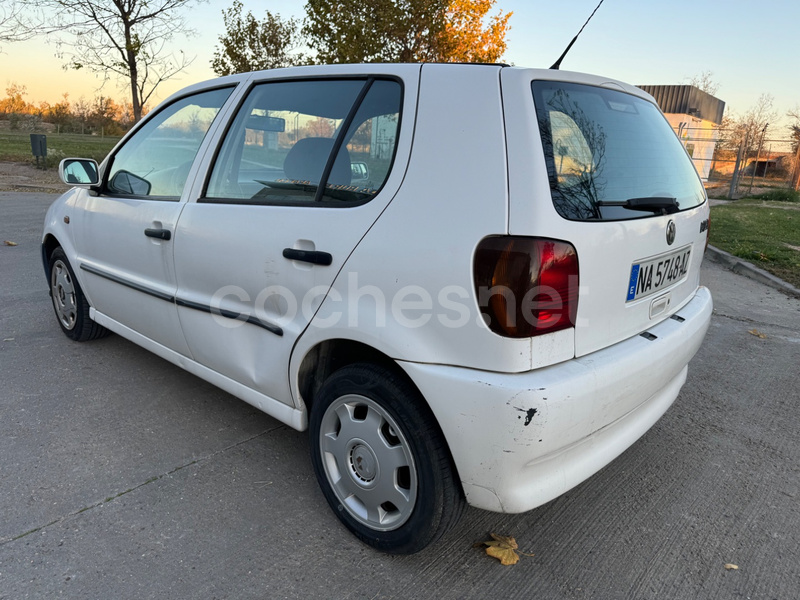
column 781, row 195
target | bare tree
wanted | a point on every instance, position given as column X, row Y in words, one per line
column 126, row 39
column 13, row 27
column 752, row 126
column 82, row 108
column 705, row 82
column 794, row 132
column 794, row 126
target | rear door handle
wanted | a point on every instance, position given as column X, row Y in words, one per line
column 315, row 257
column 161, row 234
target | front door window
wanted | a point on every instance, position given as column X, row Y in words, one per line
column 156, row 160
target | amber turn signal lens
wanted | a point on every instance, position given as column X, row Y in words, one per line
column 526, row 286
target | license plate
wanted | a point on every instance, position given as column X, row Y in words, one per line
column 652, row 275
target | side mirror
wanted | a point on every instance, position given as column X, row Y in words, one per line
column 126, row 182
column 79, row 171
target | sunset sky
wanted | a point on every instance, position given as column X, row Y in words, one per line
column 751, row 48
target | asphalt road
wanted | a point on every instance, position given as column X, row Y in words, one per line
column 122, row 476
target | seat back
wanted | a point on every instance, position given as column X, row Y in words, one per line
column 307, row 158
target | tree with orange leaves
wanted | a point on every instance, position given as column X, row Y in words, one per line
column 346, row 31
column 468, row 37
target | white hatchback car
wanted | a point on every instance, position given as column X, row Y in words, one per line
column 472, row 283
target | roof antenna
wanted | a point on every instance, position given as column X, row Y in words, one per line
column 557, row 64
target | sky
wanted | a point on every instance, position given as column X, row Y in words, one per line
column 751, row 48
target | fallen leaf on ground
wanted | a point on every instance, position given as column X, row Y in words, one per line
column 731, row 567
column 503, row 548
column 757, row 333
column 7, row 243
column 761, row 256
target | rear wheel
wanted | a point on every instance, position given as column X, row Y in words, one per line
column 381, row 460
column 69, row 303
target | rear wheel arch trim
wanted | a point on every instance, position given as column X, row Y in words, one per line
column 310, row 376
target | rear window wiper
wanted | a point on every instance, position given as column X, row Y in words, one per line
column 666, row 206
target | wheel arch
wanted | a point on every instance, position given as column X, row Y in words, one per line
column 49, row 244
column 328, row 356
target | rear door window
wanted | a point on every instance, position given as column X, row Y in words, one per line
column 309, row 141
column 607, row 151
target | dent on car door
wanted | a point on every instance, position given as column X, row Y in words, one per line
column 126, row 233
column 278, row 217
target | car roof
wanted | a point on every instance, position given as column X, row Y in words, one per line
column 408, row 70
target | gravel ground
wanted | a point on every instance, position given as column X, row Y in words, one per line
column 25, row 177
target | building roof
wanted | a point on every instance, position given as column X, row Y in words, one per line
column 687, row 99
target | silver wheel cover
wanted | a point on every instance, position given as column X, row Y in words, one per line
column 63, row 293
column 368, row 462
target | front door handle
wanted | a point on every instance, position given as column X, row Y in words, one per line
column 161, row 234
column 315, row 257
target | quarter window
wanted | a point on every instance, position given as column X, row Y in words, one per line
column 157, row 159
column 279, row 148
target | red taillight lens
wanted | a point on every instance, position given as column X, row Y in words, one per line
column 526, row 286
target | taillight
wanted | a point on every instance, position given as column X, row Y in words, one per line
column 526, row 286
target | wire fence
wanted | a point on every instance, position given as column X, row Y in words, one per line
column 732, row 167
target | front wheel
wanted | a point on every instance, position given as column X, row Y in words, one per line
column 69, row 303
column 381, row 461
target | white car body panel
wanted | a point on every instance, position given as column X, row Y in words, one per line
column 238, row 249
column 441, row 213
column 113, row 245
column 295, row 418
column 520, row 440
column 55, row 220
column 285, row 293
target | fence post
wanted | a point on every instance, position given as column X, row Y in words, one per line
column 758, row 157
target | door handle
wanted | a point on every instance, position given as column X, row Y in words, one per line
column 315, row 257
column 161, row 234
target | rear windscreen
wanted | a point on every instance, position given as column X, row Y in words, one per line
column 606, row 149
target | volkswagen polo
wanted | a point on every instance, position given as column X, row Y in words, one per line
column 472, row 284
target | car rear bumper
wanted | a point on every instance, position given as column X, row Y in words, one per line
column 520, row 440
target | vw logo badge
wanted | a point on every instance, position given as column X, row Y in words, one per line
column 670, row 232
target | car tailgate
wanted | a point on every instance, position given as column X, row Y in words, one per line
column 593, row 146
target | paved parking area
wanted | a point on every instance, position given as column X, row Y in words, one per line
column 122, row 476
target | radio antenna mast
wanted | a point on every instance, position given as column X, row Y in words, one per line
column 557, row 64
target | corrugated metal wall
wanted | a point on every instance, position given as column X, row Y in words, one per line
column 687, row 99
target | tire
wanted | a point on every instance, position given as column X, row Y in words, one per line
column 381, row 460
column 69, row 303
